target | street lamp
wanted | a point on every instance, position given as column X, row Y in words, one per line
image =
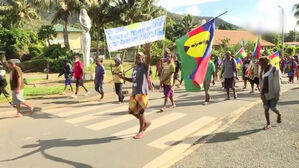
column 282, row 31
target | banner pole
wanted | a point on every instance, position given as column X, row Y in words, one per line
column 220, row 15
column 164, row 34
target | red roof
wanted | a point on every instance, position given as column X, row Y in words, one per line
column 237, row 36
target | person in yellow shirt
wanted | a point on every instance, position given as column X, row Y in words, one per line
column 118, row 82
column 167, row 80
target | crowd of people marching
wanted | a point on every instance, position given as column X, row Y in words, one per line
column 258, row 72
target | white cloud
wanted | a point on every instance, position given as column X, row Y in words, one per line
column 193, row 10
column 232, row 19
column 171, row 4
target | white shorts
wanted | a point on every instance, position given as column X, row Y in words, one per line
column 17, row 99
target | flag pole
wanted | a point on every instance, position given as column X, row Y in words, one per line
column 220, row 15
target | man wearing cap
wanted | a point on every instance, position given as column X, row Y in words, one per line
column 229, row 73
column 139, row 99
column 270, row 84
column 17, row 87
column 118, row 82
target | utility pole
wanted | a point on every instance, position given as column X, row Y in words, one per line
column 282, row 31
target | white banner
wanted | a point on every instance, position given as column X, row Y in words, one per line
column 135, row 34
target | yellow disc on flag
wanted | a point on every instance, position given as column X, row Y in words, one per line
column 196, row 45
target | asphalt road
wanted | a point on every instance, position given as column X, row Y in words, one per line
column 245, row 144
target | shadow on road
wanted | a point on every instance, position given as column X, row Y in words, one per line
column 219, row 137
column 49, row 144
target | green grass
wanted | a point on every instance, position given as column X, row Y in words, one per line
column 30, row 92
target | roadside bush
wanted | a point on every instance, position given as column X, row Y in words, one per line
column 56, row 55
column 16, row 42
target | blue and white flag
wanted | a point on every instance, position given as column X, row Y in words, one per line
column 135, row 34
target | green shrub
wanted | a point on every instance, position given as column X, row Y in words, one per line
column 16, row 42
column 57, row 55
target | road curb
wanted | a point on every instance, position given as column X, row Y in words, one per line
column 208, row 132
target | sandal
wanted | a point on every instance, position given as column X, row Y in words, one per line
column 139, row 135
column 162, row 109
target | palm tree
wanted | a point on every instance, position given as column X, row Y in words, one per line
column 102, row 12
column 296, row 12
column 187, row 23
column 64, row 9
column 18, row 12
column 132, row 11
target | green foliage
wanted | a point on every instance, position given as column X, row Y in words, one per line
column 267, row 52
column 290, row 50
column 16, row 42
column 157, row 49
column 297, row 50
column 274, row 38
column 18, row 12
column 47, row 32
column 249, row 46
column 57, row 55
column 226, row 26
column 291, row 36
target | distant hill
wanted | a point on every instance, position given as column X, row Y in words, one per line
column 197, row 19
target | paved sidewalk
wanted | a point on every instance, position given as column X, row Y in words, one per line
column 246, row 144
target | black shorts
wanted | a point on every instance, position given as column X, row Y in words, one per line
column 255, row 81
column 79, row 82
column 229, row 83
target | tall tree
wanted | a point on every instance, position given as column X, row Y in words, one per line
column 18, row 12
column 102, row 12
column 63, row 10
column 296, row 12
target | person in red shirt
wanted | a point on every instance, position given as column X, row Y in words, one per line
column 78, row 74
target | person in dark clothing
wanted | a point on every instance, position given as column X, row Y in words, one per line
column 99, row 77
column 68, row 74
column 3, row 84
column 177, row 71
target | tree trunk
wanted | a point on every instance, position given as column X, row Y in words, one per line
column 48, row 42
column 65, row 33
column 124, row 55
column 98, row 41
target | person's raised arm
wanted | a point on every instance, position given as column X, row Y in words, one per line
column 148, row 57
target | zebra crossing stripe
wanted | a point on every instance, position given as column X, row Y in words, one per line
column 67, row 113
column 181, row 133
column 95, row 115
column 159, row 122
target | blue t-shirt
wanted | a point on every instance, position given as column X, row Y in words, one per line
column 99, row 74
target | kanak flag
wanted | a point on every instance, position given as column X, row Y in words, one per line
column 194, row 50
column 241, row 53
column 257, row 50
column 274, row 59
column 239, row 63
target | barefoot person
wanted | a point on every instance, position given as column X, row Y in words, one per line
column 78, row 74
column 17, row 87
column 3, row 84
column 68, row 74
column 99, row 77
column 167, row 80
column 211, row 71
column 139, row 99
column 229, row 73
column 270, row 84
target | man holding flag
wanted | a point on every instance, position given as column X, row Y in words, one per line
column 194, row 50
